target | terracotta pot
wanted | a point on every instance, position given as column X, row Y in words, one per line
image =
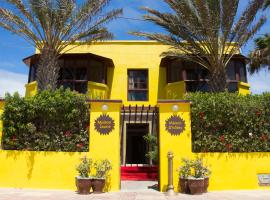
column 183, row 183
column 98, row 185
column 196, row 185
column 83, row 185
column 206, row 184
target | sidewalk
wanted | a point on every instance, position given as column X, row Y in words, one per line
column 27, row 194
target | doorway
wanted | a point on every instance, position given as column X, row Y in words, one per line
column 136, row 147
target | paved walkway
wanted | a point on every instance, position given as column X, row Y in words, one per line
column 26, row 194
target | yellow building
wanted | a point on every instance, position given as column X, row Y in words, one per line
column 142, row 94
column 145, row 77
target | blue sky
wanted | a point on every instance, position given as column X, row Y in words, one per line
column 13, row 72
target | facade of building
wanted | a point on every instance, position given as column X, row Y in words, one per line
column 140, row 93
column 134, row 72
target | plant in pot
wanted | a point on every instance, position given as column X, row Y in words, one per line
column 83, row 181
column 184, row 173
column 206, row 174
column 102, row 167
column 196, row 180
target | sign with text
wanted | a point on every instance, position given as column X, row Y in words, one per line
column 264, row 179
column 104, row 124
column 175, row 125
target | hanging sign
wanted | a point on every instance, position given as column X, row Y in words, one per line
column 175, row 125
column 104, row 124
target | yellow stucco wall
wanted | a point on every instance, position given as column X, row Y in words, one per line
column 107, row 146
column 47, row 170
column 230, row 171
column 97, row 90
column 243, row 88
column 175, row 90
column 31, row 89
column 180, row 145
column 56, row 170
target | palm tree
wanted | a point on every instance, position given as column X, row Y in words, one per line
column 54, row 27
column 204, row 31
column 260, row 57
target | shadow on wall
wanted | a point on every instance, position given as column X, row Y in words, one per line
column 30, row 157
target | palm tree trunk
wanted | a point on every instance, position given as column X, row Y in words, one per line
column 47, row 70
column 217, row 81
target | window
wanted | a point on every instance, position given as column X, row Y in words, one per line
column 137, row 85
column 174, row 71
column 236, row 71
column 73, row 75
column 97, row 71
column 242, row 71
column 32, row 73
column 231, row 71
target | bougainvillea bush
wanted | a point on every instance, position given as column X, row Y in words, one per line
column 49, row 121
column 227, row 122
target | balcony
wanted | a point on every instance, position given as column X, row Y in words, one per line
column 97, row 90
column 177, row 90
column 93, row 90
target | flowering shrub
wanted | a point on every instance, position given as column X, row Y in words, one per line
column 228, row 122
column 50, row 121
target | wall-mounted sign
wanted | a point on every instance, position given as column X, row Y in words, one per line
column 104, row 124
column 264, row 179
column 175, row 125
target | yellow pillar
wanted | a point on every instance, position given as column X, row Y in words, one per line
column 174, row 136
column 104, row 144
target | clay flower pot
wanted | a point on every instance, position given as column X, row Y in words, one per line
column 206, row 183
column 83, row 185
column 196, row 185
column 183, row 183
column 98, row 185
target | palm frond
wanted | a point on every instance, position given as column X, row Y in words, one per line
column 207, row 30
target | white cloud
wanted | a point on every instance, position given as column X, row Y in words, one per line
column 7, row 64
column 12, row 82
column 260, row 82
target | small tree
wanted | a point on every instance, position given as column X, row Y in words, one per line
column 205, row 32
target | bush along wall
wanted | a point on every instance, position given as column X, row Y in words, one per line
column 228, row 122
column 50, row 121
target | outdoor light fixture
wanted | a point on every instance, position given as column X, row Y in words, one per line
column 105, row 107
column 175, row 108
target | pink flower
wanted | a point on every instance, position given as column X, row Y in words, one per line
column 13, row 138
column 228, row 146
column 80, row 145
column 68, row 133
column 201, row 115
column 222, row 138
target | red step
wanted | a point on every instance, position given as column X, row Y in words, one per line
column 145, row 173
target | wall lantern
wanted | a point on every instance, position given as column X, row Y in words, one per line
column 175, row 108
column 104, row 107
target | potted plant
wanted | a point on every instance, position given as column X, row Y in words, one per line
column 184, row 173
column 102, row 167
column 196, row 180
column 206, row 174
column 83, row 181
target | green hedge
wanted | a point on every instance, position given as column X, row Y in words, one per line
column 230, row 123
column 50, row 121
